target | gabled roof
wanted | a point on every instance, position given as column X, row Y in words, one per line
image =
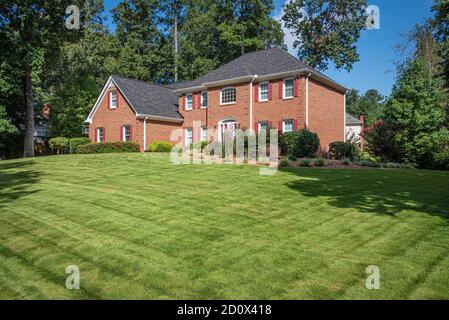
column 352, row 120
column 260, row 63
column 149, row 99
column 145, row 99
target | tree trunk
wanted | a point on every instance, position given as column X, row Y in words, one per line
column 29, row 117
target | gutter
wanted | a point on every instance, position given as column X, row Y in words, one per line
column 159, row 118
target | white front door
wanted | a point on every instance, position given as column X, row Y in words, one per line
column 227, row 129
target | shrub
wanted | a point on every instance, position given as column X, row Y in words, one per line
column 304, row 163
column 109, row 147
column 339, row 150
column 159, row 146
column 58, row 144
column 319, row 162
column 301, row 144
column 346, row 162
column 382, row 142
column 283, row 163
column 369, row 163
column 74, row 143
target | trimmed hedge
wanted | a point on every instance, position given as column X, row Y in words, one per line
column 300, row 144
column 58, row 144
column 74, row 143
column 159, row 146
column 109, row 147
column 339, row 150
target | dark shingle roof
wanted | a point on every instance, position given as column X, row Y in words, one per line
column 352, row 120
column 259, row 63
column 148, row 98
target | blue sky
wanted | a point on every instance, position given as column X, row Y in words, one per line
column 376, row 47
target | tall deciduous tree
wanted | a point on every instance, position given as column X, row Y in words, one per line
column 326, row 30
column 143, row 53
column 246, row 25
column 34, row 29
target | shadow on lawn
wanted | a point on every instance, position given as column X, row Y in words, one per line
column 15, row 179
column 377, row 191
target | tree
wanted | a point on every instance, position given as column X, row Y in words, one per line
column 212, row 33
column 370, row 105
column 246, row 25
column 417, row 107
column 326, row 30
column 34, row 31
column 143, row 53
column 441, row 25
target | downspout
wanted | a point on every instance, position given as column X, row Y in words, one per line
column 145, row 133
column 251, row 103
column 307, row 101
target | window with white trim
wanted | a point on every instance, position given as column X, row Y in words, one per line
column 287, row 126
column 188, row 136
column 204, row 100
column 113, row 99
column 126, row 133
column 203, row 134
column 263, row 91
column 263, row 125
column 189, row 101
column 227, row 95
column 288, row 91
column 100, row 135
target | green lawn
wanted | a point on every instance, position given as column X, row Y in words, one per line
column 139, row 227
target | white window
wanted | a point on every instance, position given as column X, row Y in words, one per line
column 113, row 99
column 263, row 125
column 263, row 91
column 287, row 126
column 203, row 99
column 203, row 134
column 288, row 88
column 100, row 135
column 189, row 136
column 126, row 133
column 189, row 101
column 227, row 95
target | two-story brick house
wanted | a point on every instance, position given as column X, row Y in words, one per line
column 268, row 88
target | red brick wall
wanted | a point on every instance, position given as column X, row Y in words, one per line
column 326, row 113
column 113, row 119
column 274, row 110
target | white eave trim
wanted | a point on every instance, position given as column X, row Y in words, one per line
column 159, row 118
column 100, row 97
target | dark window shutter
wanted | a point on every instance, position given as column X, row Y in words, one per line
column 104, row 134
column 121, row 133
column 130, row 133
column 280, row 88
column 256, row 127
column 295, row 87
column 295, row 124
column 270, row 91
column 109, row 100
column 256, row 92
column 280, row 126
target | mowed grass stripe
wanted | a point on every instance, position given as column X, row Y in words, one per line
column 140, row 227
